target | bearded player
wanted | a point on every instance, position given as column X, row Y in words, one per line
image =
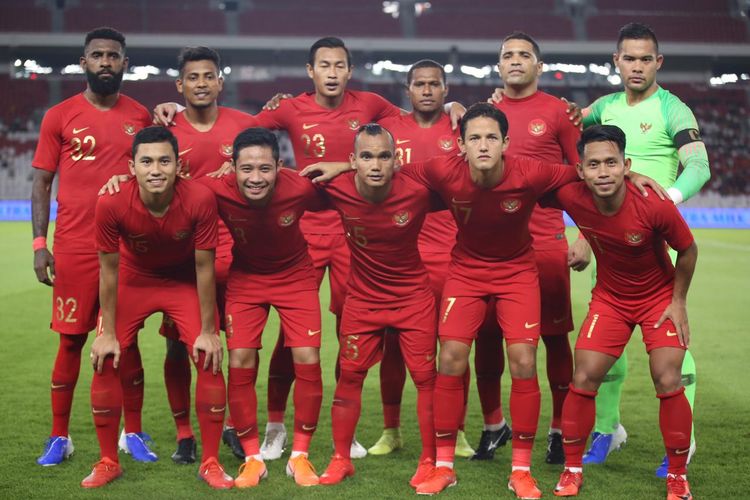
column 86, row 139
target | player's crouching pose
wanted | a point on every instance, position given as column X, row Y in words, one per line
column 636, row 285
column 166, row 231
column 388, row 289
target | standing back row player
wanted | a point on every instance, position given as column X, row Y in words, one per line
column 86, row 139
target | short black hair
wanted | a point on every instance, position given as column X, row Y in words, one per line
column 372, row 129
column 150, row 135
column 637, row 31
column 105, row 33
column 188, row 54
column 424, row 63
column 329, row 42
column 602, row 133
column 487, row 110
column 255, row 136
column 520, row 35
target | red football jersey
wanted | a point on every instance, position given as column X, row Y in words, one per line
column 85, row 146
column 267, row 239
column 538, row 127
column 417, row 144
column 162, row 247
column 321, row 134
column 204, row 152
column 632, row 262
column 386, row 268
column 492, row 223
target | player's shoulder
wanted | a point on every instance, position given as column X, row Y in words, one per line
column 193, row 188
column 651, row 205
column 232, row 114
column 128, row 102
column 522, row 163
column 118, row 201
column 72, row 102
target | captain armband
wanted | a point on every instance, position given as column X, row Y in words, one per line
column 686, row 137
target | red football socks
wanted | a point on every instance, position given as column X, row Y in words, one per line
column 347, row 403
column 489, row 361
column 131, row 378
column 210, row 403
column 392, row 379
column 579, row 414
column 177, row 377
column 106, row 408
column 243, row 405
column 448, row 408
column 559, row 373
column 308, row 396
column 280, row 380
column 676, row 423
column 525, row 401
column 425, row 383
column 64, row 378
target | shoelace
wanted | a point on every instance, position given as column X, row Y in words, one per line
column 213, row 467
column 305, row 463
column 102, row 466
column 567, row 478
column 677, row 485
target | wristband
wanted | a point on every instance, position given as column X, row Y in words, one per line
column 39, row 243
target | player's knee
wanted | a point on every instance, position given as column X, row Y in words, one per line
column 585, row 380
column 522, row 365
column 423, row 380
column 352, row 378
column 452, row 361
column 242, row 358
column 667, row 381
column 306, row 355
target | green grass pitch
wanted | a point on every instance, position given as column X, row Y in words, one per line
column 718, row 309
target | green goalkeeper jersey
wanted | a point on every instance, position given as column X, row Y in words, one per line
column 651, row 128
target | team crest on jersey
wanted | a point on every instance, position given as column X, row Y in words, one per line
column 511, row 205
column 225, row 150
column 645, row 127
column 401, row 218
column 128, row 128
column 634, row 239
column 446, row 143
column 537, row 127
column 181, row 235
column 286, row 219
column 353, row 123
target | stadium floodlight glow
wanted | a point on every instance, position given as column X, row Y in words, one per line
column 227, row 70
column 172, row 72
column 393, row 8
column 141, row 72
column 745, row 76
column 604, row 70
column 614, row 79
column 380, row 66
column 448, row 68
column 724, row 79
column 482, row 72
column 72, row 69
column 565, row 68
column 31, row 66
column 18, row 62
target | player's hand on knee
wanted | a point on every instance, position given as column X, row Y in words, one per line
column 209, row 343
column 103, row 346
column 44, row 266
column 164, row 113
column 579, row 255
column 225, row 168
column 113, row 184
column 677, row 313
column 275, row 101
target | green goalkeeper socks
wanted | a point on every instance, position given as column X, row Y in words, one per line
column 608, row 398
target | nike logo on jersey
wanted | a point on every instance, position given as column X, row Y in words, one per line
column 671, row 334
column 217, row 410
column 529, row 326
column 79, row 130
column 312, row 333
column 402, row 141
column 307, row 126
column 184, row 152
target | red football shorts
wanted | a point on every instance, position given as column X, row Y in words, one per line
column 168, row 328
column 437, row 265
column 554, row 287
column 138, row 297
column 293, row 295
column 463, row 306
column 363, row 330
column 607, row 328
column 75, row 293
column 331, row 251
